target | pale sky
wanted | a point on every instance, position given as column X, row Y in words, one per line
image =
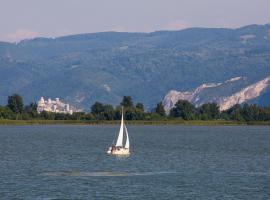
column 21, row 19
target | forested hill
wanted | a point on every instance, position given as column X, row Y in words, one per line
column 105, row 66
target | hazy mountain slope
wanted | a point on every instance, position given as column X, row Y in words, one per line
column 105, row 66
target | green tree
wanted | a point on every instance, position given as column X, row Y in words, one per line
column 140, row 106
column 31, row 110
column 183, row 109
column 127, row 101
column 6, row 113
column 117, row 113
column 97, row 108
column 264, row 114
column 250, row 112
column 140, row 114
column 108, row 113
column 47, row 115
column 209, row 111
column 61, row 116
column 130, row 113
column 160, row 109
column 235, row 113
column 15, row 103
column 103, row 111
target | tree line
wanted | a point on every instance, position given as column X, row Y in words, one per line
column 16, row 110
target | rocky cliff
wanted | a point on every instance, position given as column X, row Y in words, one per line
column 227, row 94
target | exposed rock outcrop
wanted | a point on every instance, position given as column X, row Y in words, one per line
column 213, row 92
column 244, row 95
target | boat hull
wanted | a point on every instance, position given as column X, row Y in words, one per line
column 118, row 151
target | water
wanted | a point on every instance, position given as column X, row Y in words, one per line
column 166, row 162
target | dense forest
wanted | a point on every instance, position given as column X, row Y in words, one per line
column 184, row 110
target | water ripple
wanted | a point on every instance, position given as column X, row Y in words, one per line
column 103, row 174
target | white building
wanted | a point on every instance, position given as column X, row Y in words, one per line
column 55, row 106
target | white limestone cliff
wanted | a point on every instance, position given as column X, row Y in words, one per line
column 251, row 92
column 225, row 102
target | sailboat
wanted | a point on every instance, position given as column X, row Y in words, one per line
column 119, row 148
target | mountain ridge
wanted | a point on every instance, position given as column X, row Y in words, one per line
column 250, row 27
column 85, row 68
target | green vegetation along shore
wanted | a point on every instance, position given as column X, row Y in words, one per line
column 137, row 122
column 183, row 113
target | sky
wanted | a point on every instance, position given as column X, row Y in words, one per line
column 23, row 19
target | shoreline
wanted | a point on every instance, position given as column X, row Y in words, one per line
column 4, row 122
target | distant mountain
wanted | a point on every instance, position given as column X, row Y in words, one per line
column 226, row 95
column 81, row 69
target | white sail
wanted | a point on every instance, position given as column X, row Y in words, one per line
column 127, row 140
column 119, row 142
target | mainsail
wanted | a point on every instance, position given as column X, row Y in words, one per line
column 120, row 138
column 119, row 142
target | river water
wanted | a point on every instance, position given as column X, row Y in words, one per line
column 166, row 162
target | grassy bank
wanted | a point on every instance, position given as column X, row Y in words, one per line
column 139, row 122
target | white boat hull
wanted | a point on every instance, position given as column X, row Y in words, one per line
column 118, row 151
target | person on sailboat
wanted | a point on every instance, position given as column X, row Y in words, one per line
column 111, row 149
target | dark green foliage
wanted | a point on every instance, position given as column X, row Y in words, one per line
column 47, row 115
column 248, row 113
column 133, row 113
column 209, row 111
column 81, row 116
column 15, row 103
column 97, row 108
column 127, row 102
column 6, row 113
column 108, row 113
column 118, row 111
column 183, row 109
column 102, row 112
column 235, row 113
column 99, row 111
column 130, row 114
column 31, row 110
column 140, row 106
column 160, row 109
column 264, row 114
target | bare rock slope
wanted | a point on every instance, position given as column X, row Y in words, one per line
column 226, row 95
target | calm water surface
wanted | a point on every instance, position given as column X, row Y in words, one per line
column 167, row 162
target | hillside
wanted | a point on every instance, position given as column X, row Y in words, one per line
column 81, row 69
